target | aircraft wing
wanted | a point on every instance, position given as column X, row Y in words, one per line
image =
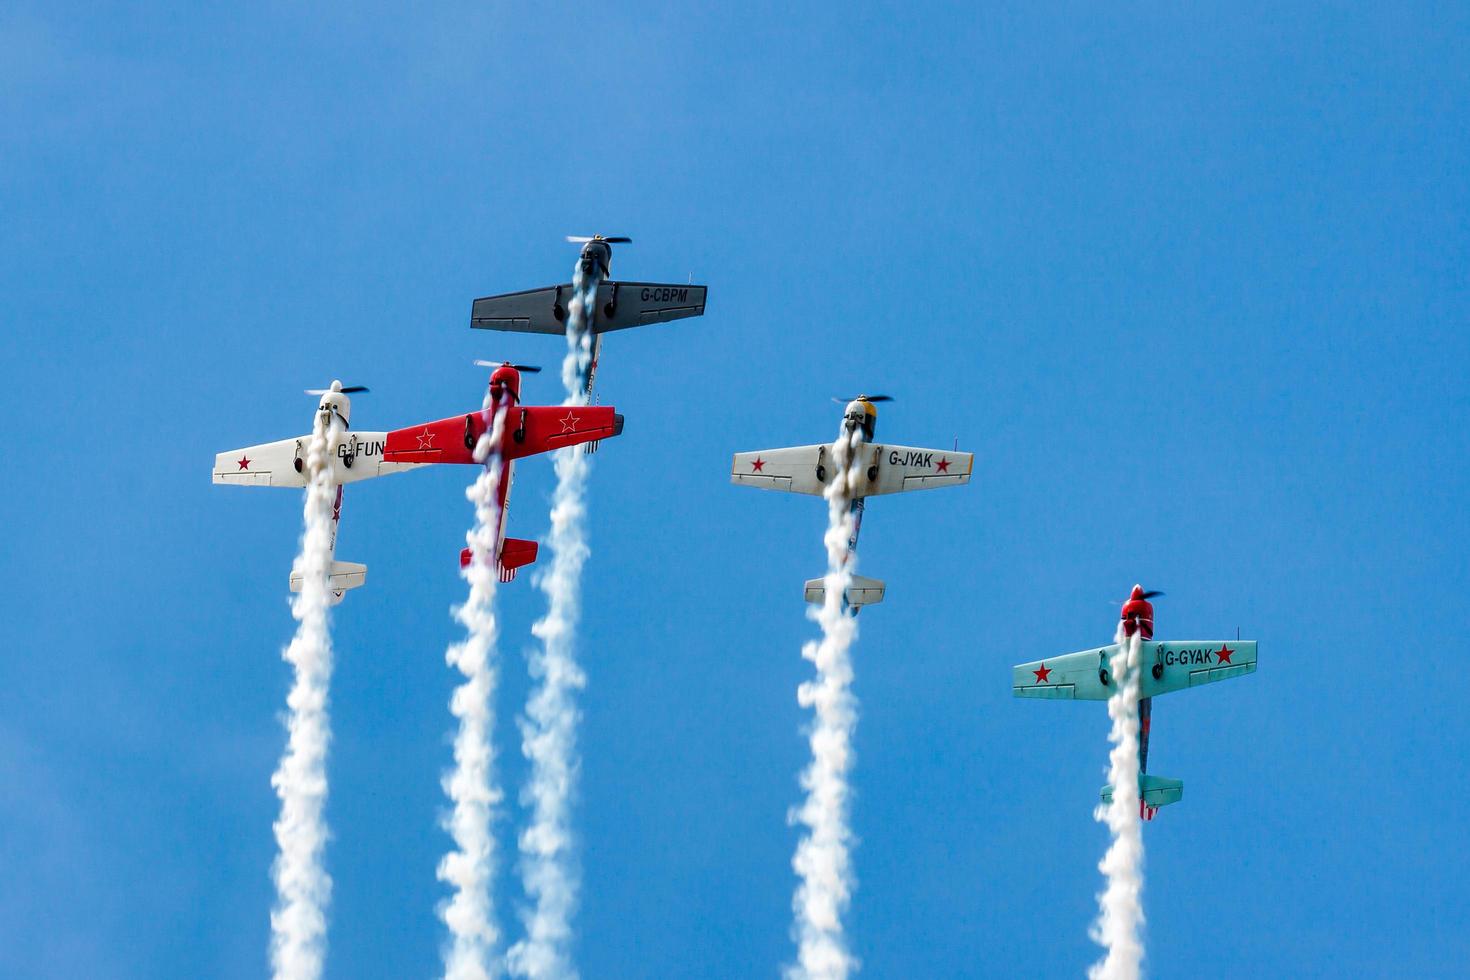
column 529, row 311
column 899, row 469
column 632, row 304
column 884, row 469
column 529, row 429
column 273, row 464
column 1166, row 667
column 619, row 305
column 543, row 428
column 798, row 469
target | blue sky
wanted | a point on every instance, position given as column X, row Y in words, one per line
column 1191, row 284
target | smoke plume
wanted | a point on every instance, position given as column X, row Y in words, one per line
column 1119, row 925
column 303, row 887
column 822, row 861
column 469, row 869
column 549, row 872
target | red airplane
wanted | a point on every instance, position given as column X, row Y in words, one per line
column 528, row 430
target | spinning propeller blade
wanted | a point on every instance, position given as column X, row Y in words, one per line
column 523, row 368
column 349, row 390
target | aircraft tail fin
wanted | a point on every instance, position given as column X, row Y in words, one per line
column 514, row 553
column 1153, row 792
column 861, row 592
column 342, row 576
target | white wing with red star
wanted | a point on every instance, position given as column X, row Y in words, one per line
column 881, row 469
column 796, row 469
column 899, row 469
column 359, row 456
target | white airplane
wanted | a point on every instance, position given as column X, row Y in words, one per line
column 357, row 456
column 880, row 469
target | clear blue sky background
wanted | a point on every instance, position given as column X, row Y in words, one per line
column 1192, row 285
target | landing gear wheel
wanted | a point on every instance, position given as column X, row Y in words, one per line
column 1102, row 675
column 469, row 432
column 821, row 473
column 1158, row 672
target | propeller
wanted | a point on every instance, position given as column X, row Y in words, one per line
column 613, row 240
column 523, row 368
column 864, row 398
column 1147, row 595
column 337, row 387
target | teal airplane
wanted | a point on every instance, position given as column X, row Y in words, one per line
column 1167, row 667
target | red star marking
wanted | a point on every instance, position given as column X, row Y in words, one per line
column 426, row 439
column 757, row 465
column 569, row 423
column 1043, row 673
column 1224, row 654
column 244, row 462
column 943, row 465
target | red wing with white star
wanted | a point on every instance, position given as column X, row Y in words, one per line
column 541, row 429
column 529, row 429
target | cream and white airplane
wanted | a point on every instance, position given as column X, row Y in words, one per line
column 876, row 469
column 357, row 456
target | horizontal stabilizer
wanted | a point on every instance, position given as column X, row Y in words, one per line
column 514, row 553
column 343, row 575
column 862, row 591
column 1153, row 792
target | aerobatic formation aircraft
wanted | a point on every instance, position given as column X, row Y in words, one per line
column 618, row 305
column 881, row 469
column 527, row 431
column 356, row 456
column 1164, row 667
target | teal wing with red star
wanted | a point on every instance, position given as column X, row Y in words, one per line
column 1174, row 665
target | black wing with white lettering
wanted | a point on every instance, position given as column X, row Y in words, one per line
column 632, row 304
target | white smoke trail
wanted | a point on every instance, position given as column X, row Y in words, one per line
column 1120, row 920
column 303, row 887
column 822, row 859
column 549, row 730
column 470, row 868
